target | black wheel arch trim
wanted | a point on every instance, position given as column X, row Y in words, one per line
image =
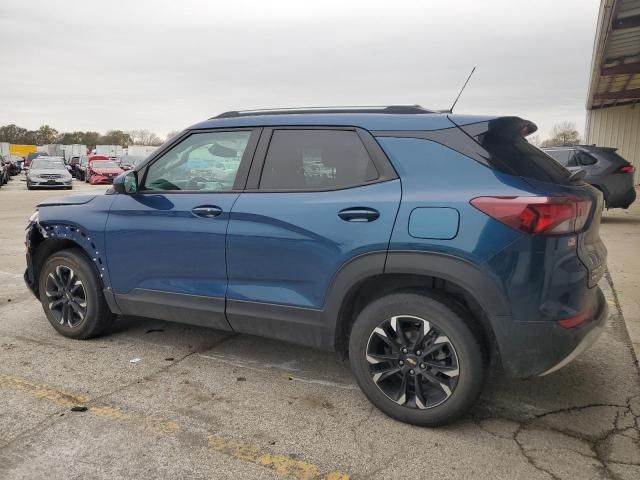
column 456, row 270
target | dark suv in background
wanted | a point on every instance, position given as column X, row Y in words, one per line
column 421, row 244
column 604, row 168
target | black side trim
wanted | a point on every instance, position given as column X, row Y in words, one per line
column 111, row 301
column 350, row 274
column 175, row 307
column 453, row 269
column 292, row 324
column 305, row 326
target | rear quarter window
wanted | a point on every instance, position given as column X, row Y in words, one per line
column 506, row 150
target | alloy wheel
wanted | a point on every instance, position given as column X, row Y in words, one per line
column 67, row 298
column 412, row 362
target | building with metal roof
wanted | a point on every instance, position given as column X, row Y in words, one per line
column 613, row 99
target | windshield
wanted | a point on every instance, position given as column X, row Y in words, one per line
column 104, row 164
column 42, row 164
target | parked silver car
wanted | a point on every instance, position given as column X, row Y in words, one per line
column 48, row 172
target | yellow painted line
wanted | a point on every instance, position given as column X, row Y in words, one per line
column 69, row 400
column 282, row 465
column 42, row 391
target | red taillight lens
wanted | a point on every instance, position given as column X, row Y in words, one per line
column 574, row 321
column 537, row 215
column 627, row 169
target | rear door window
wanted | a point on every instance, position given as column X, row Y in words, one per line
column 312, row 160
column 506, row 150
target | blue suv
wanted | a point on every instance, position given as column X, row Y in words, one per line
column 424, row 245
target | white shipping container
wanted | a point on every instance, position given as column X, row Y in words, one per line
column 4, row 149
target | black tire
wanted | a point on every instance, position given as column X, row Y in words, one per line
column 29, row 187
column 97, row 317
column 444, row 319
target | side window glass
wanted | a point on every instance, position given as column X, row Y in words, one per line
column 309, row 160
column 204, row 162
column 560, row 156
column 573, row 158
column 585, row 159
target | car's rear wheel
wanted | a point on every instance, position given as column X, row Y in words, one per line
column 416, row 359
column 71, row 296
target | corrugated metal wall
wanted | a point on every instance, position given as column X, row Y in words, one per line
column 616, row 127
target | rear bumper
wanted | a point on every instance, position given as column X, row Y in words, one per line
column 620, row 196
column 529, row 349
column 621, row 200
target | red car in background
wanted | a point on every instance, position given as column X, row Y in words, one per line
column 102, row 170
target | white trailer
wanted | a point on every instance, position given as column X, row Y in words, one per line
column 113, row 151
column 53, row 149
column 5, row 149
column 140, row 150
column 75, row 150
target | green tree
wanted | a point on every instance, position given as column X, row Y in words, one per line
column 45, row 134
column 12, row 134
column 69, row 138
column 90, row 139
column 116, row 137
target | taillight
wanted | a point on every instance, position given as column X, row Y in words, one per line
column 574, row 321
column 627, row 169
column 537, row 215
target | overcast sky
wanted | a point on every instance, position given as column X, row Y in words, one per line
column 163, row 65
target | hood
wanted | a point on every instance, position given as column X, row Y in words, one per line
column 68, row 200
column 48, row 171
column 99, row 170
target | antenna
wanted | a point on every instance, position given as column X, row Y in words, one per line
column 462, row 90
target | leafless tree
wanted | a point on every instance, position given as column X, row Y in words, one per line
column 562, row 134
column 172, row 134
column 144, row 137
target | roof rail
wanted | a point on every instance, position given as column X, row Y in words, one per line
column 406, row 109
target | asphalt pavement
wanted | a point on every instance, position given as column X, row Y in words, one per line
column 162, row 400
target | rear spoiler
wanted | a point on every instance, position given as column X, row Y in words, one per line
column 502, row 126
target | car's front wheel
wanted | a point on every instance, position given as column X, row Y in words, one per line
column 71, row 296
column 416, row 359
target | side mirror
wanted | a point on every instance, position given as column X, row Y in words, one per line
column 126, row 183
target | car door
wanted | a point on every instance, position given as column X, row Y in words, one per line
column 166, row 243
column 316, row 198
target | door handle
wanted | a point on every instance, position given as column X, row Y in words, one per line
column 206, row 211
column 359, row 214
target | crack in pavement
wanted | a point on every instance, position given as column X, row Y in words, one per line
column 55, row 417
column 595, row 442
